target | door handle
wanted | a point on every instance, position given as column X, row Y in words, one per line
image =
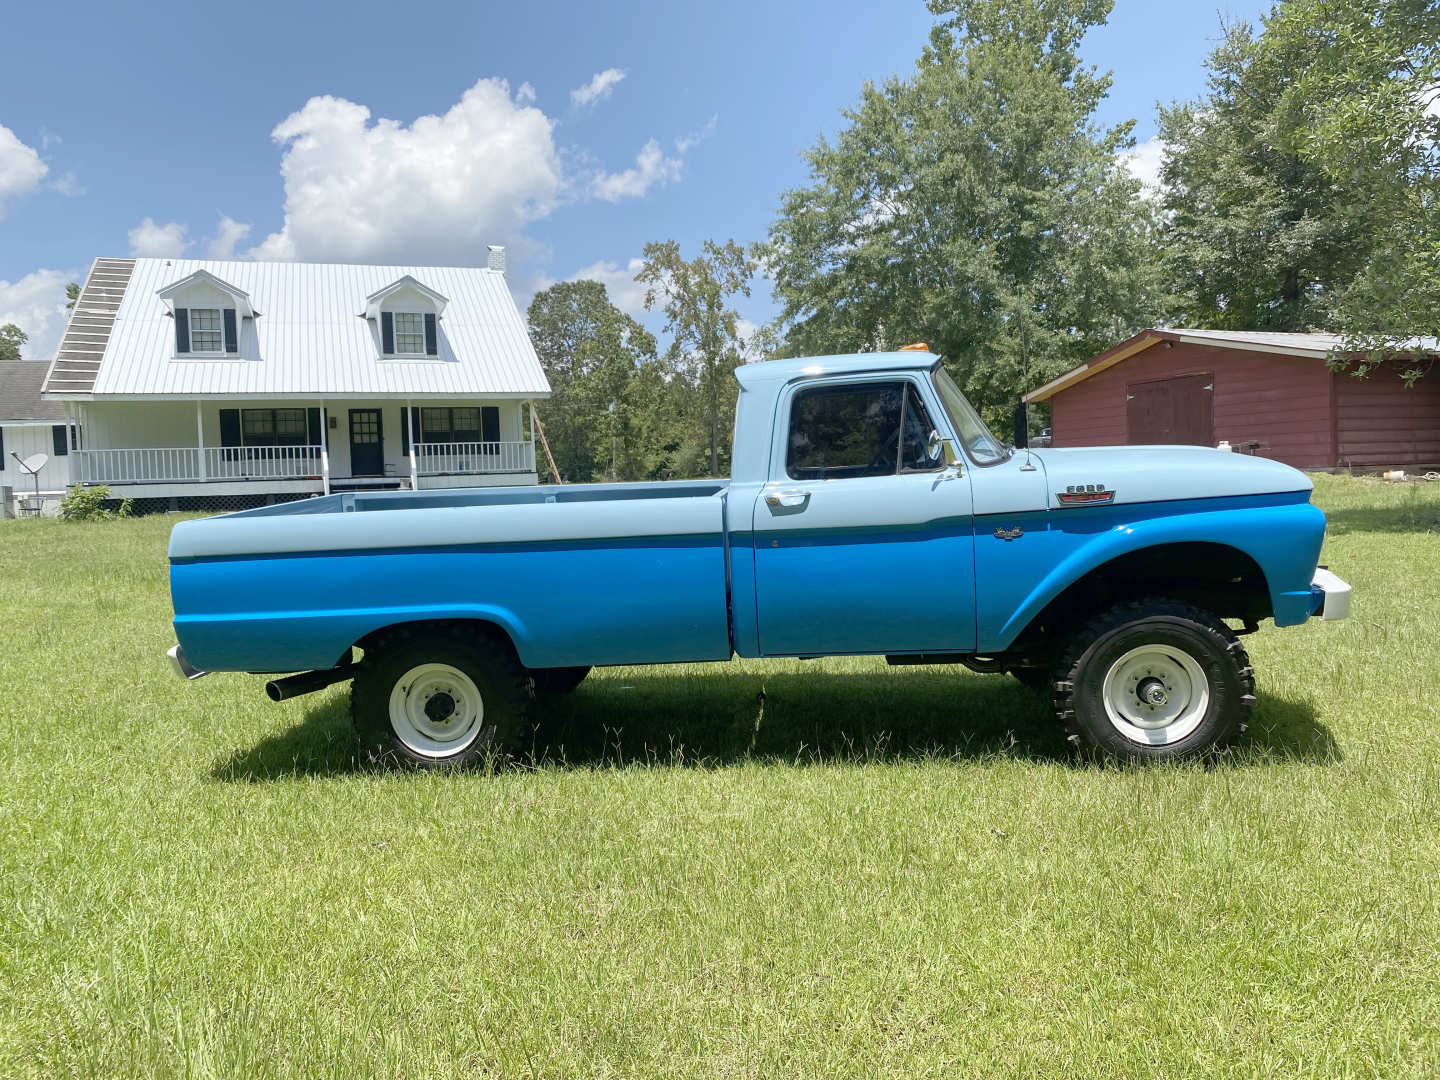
column 787, row 500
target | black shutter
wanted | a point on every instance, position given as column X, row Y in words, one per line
column 182, row 330
column 432, row 345
column 229, row 427
column 3, row 459
column 490, row 423
column 232, row 340
column 60, row 439
column 312, row 417
column 404, row 432
column 387, row 333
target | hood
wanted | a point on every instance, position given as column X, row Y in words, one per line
column 1162, row 473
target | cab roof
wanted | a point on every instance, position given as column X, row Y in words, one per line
column 799, row 367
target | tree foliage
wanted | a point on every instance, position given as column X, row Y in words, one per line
column 601, row 365
column 11, row 338
column 1301, row 192
column 975, row 205
column 706, row 343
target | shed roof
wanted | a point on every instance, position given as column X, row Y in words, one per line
column 1316, row 346
column 311, row 338
column 20, row 383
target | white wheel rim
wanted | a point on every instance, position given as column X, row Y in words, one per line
column 436, row 710
column 1156, row 695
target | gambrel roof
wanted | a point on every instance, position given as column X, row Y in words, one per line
column 312, row 334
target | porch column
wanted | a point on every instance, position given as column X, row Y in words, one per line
column 412, row 422
column 200, row 438
column 324, row 449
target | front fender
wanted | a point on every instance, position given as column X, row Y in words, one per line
column 1017, row 577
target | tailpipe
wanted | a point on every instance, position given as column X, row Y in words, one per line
column 307, row 682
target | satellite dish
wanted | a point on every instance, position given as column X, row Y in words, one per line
column 32, row 464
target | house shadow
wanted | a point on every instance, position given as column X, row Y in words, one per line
column 718, row 720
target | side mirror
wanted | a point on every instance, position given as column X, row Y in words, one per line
column 941, row 450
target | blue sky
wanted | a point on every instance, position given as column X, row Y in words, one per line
column 572, row 133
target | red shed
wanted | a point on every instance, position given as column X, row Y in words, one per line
column 1266, row 392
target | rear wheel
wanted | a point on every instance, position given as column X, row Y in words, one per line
column 440, row 698
column 558, row 680
column 1155, row 680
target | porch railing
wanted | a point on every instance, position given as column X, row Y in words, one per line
column 180, row 464
column 462, row 458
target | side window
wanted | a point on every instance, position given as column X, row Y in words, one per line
column 915, row 442
column 845, row 431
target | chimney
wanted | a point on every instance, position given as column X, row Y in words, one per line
column 497, row 258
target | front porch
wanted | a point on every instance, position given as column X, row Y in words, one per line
column 183, row 449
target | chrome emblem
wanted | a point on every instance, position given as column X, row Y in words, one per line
column 1008, row 534
column 1085, row 495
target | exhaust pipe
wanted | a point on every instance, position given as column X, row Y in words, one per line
column 307, row 682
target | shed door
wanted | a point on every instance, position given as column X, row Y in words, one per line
column 1178, row 410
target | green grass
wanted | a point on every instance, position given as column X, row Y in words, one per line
column 867, row 872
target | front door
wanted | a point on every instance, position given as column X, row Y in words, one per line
column 862, row 543
column 367, row 443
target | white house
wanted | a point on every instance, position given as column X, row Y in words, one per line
column 202, row 383
column 30, row 425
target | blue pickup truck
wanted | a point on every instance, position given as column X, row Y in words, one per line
column 870, row 511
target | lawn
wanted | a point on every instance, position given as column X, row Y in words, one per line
column 756, row 869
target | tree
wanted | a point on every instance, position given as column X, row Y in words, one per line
column 1362, row 107
column 706, row 343
column 591, row 352
column 974, row 205
column 1301, row 192
column 72, row 294
column 11, row 338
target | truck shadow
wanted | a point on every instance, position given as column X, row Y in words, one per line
column 712, row 721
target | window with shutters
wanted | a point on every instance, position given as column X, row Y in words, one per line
column 274, row 427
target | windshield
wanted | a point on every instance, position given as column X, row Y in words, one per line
column 983, row 447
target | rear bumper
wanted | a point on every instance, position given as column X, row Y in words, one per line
column 1329, row 595
column 182, row 666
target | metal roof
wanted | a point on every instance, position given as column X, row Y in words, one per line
column 77, row 361
column 1314, row 346
column 20, row 382
column 311, row 338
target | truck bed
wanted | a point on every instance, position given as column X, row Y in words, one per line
column 600, row 574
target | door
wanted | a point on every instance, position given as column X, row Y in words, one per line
column 862, row 543
column 367, row 443
column 1179, row 410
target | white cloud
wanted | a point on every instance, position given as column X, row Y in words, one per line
column 687, row 142
column 525, row 94
column 228, row 233
column 68, row 184
column 437, row 190
column 1144, row 162
column 158, row 241
column 21, row 169
column 651, row 167
column 598, row 88
column 36, row 304
column 625, row 292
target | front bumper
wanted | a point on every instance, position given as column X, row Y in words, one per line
column 182, row 666
column 1329, row 595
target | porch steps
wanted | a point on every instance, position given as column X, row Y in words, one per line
column 77, row 363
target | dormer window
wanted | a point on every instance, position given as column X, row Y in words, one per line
column 207, row 314
column 205, row 331
column 408, row 314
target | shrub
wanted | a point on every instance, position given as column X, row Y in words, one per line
column 88, row 504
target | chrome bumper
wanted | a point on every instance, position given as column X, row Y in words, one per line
column 183, row 667
column 1330, row 595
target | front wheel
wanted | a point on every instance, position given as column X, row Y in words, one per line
column 439, row 698
column 1156, row 680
